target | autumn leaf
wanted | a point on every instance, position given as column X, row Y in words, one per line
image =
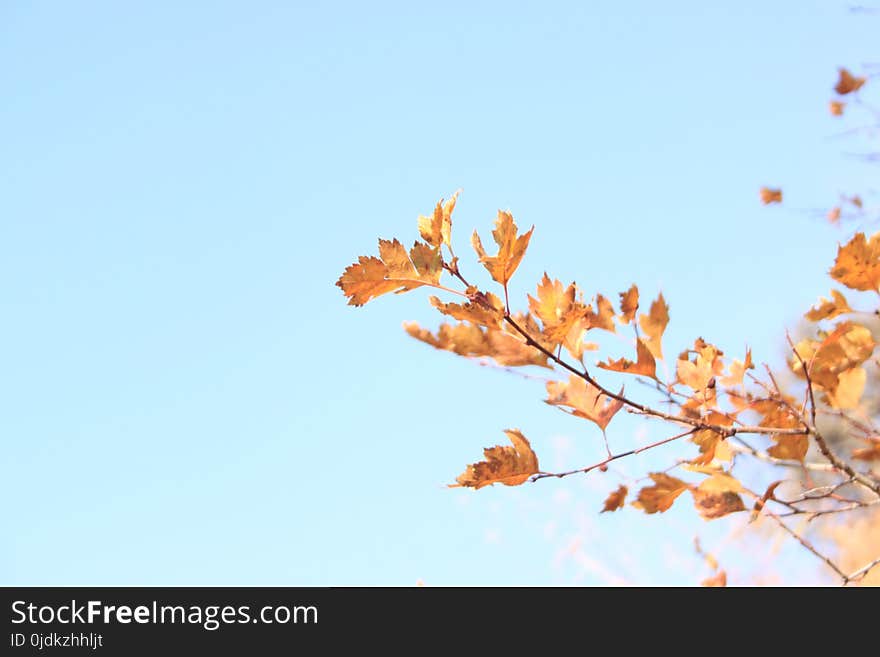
column 720, row 482
column 828, row 309
column 472, row 341
column 849, row 389
column 869, row 453
column 769, row 195
column 833, row 215
column 511, row 248
column 699, row 373
column 644, row 365
column 604, row 318
column 789, row 447
column 437, row 228
column 738, row 369
column 708, row 441
column 659, row 497
column 510, row 466
column 717, row 580
column 629, row 304
column 584, row 400
column 768, row 495
column 485, row 310
column 836, row 107
column 615, row 500
column 557, row 309
column 393, row 271
column 858, row 263
column 711, row 504
column 654, row 324
column 847, row 82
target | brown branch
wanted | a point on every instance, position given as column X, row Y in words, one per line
column 809, row 546
column 806, row 371
column 859, row 574
column 613, row 457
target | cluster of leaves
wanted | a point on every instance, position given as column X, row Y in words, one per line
column 715, row 399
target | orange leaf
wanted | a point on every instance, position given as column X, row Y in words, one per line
column 659, row 497
column 511, row 248
column 828, row 309
column 737, row 370
column 604, row 319
column 396, row 271
column 510, row 466
column 712, row 504
column 789, row 446
column 615, row 500
column 708, row 441
column 718, row 579
column 654, row 324
column 437, row 229
column 836, row 107
column 769, row 195
column 847, row 82
column 629, row 304
column 858, row 263
column 869, row 453
column 557, row 309
column 473, row 341
column 768, row 495
column 485, row 310
column 645, row 364
column 584, row 400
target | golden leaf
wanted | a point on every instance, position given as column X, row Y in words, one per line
column 718, row 579
column 849, row 389
column 715, row 504
column 629, row 304
column 557, row 309
column 737, row 370
column 858, row 263
column 510, row 466
column 847, row 82
column 769, row 195
column 393, row 271
column 511, row 248
column 708, row 441
column 699, row 374
column 789, row 447
column 836, row 107
column 830, row 360
column 615, row 500
column 644, row 365
column 869, row 453
column 584, row 400
column 828, row 309
column 485, row 310
column 721, row 482
column 604, row 319
column 437, row 229
column 654, row 323
column 659, row 497
column 472, row 341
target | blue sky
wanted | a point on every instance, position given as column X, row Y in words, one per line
column 187, row 399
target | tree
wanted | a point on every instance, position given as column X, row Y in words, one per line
column 821, row 427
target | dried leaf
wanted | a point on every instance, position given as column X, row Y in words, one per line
column 712, row 504
column 437, row 228
column 789, row 447
column 615, row 500
column 708, row 441
column 511, row 248
column 393, row 271
column 849, row 389
column 629, row 304
column 510, row 466
column 869, row 453
column 654, row 324
column 701, row 372
column 738, row 370
column 584, row 400
column 721, row 482
column 718, row 579
column 836, row 107
column 472, row 341
column 847, row 82
column 828, row 309
column 485, row 310
column 833, row 215
column 768, row 495
column 769, row 195
column 831, row 359
column 858, row 263
column 557, row 309
column 659, row 497
column 644, row 365
column 604, row 318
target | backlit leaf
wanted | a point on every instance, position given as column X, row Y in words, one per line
column 659, row 497
column 715, row 504
column 654, row 324
column 511, row 248
column 858, row 263
column 644, row 365
column 437, row 228
column 510, row 466
column 789, row 447
column 828, row 309
column 615, row 500
column 769, row 195
column 584, row 400
column 629, row 304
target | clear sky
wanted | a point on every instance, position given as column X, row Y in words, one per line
column 186, row 398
